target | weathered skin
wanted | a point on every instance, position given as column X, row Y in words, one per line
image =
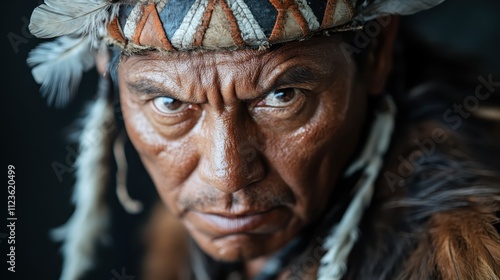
column 235, row 148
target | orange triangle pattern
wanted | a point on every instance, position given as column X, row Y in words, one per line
column 150, row 30
column 205, row 22
column 115, row 31
column 207, row 17
column 283, row 6
column 290, row 23
column 332, row 17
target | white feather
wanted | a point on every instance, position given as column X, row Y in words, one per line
column 396, row 7
column 59, row 65
column 343, row 235
column 71, row 17
column 89, row 221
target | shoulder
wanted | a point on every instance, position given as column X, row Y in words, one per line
column 436, row 211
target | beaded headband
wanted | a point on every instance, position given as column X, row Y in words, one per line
column 219, row 24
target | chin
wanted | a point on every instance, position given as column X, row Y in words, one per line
column 240, row 247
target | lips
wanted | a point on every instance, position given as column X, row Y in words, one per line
column 249, row 222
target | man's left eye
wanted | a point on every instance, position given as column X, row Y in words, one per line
column 280, row 98
column 167, row 105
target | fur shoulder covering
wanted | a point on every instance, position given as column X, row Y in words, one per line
column 437, row 208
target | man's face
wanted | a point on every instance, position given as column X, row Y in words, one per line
column 244, row 147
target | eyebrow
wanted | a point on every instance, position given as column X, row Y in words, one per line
column 147, row 87
column 295, row 76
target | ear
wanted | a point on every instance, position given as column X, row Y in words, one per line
column 380, row 57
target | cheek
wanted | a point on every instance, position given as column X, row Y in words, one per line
column 311, row 159
column 169, row 163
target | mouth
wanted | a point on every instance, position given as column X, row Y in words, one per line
column 222, row 224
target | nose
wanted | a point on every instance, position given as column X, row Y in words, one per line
column 230, row 160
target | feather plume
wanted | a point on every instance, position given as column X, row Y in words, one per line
column 72, row 17
column 89, row 221
column 396, row 7
column 58, row 66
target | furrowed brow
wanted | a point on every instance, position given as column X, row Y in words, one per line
column 147, row 88
column 296, row 76
column 150, row 88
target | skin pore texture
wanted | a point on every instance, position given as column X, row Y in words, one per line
column 245, row 147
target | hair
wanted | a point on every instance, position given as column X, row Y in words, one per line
column 113, row 65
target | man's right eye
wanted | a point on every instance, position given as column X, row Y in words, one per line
column 168, row 106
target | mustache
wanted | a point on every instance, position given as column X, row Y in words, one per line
column 252, row 198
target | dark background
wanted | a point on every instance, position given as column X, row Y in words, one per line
column 34, row 136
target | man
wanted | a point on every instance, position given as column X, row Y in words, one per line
column 265, row 127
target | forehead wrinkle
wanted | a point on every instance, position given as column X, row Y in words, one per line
column 213, row 88
column 253, row 80
column 241, row 79
column 177, row 75
column 172, row 84
column 225, row 76
column 241, row 73
column 146, row 66
column 273, row 69
column 241, row 66
column 189, row 75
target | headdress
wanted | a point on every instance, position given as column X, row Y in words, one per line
column 83, row 27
